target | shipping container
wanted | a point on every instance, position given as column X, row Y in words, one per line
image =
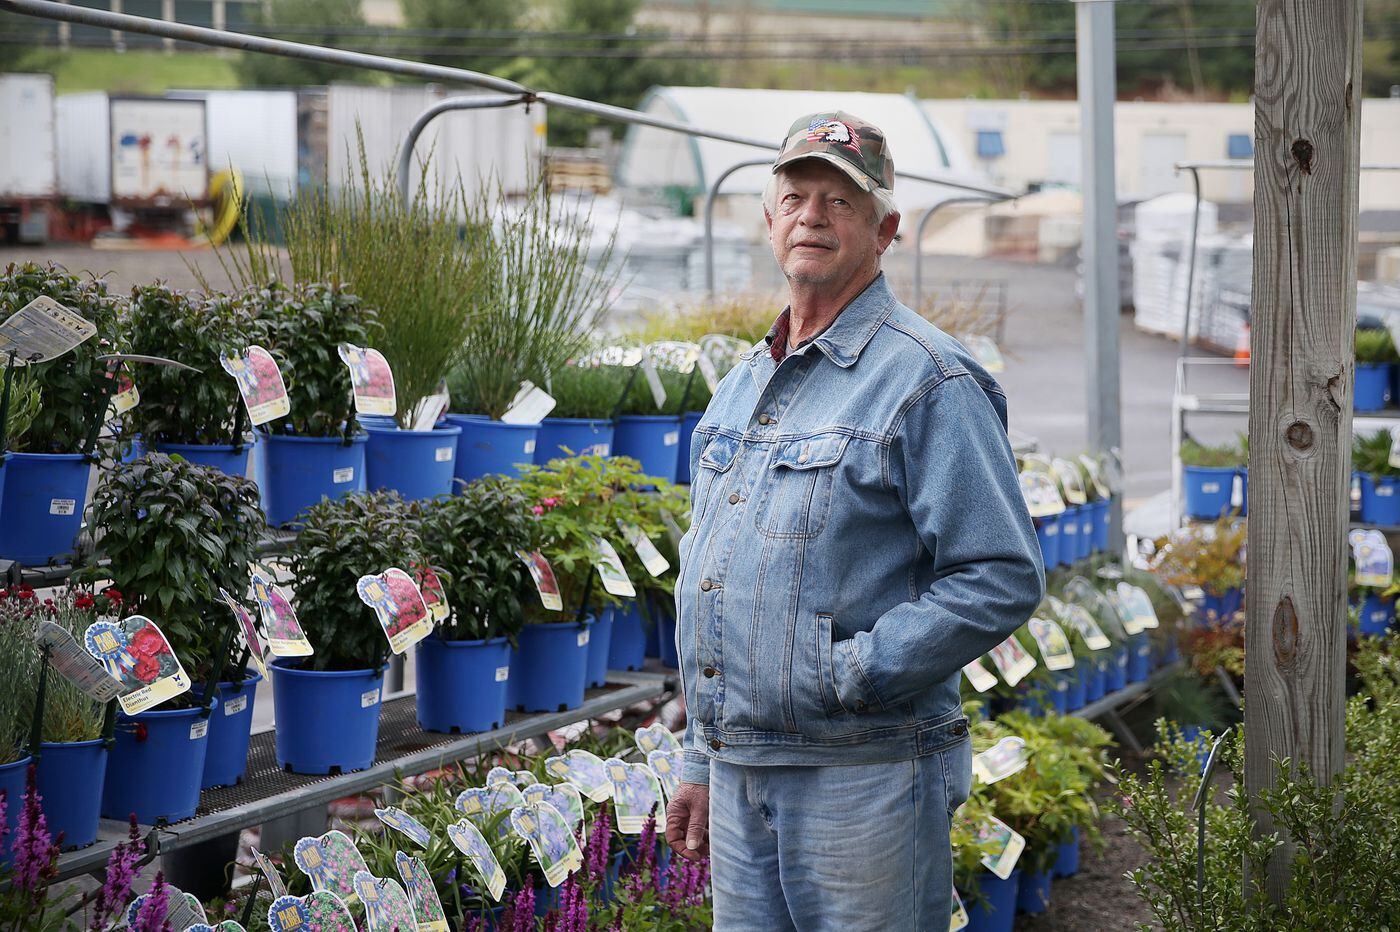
column 255, row 133
column 132, row 151
column 28, row 170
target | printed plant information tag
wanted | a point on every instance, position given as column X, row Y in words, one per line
column 126, row 395
column 270, row 872
column 430, row 586
column 1003, row 844
column 610, row 569
column 371, row 379
column 284, row 635
column 75, row 664
column 317, row 912
column 1136, row 600
column 1079, row 618
column 422, row 893
column 260, row 383
column 1001, row 760
column 584, row 770
column 395, row 598
column 531, row 405
column 135, row 653
column 651, row 558
column 653, row 378
column 387, row 908
column 1375, row 564
column 562, row 796
column 1041, row 494
column 959, row 920
column 1070, row 481
column 667, row 767
column 257, row 650
column 468, row 839
column 550, row 840
column 543, row 575
column 655, row 737
column 42, row 330
column 182, row 910
column 1054, row 646
column 636, row 793
column 481, row 804
column 401, row 821
column 1012, row 661
column 330, row 862
column 978, row 676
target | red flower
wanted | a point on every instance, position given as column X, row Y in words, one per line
column 113, row 596
column 147, row 669
column 147, row 643
column 26, row 592
column 84, row 600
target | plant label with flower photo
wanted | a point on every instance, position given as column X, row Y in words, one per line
column 1375, row 564
column 985, row 350
column 401, row 821
column 1055, row 651
column 646, row 551
column 499, row 774
column 181, row 909
column 330, row 862
column 399, row 605
column 371, row 379
column 1127, row 617
column 584, row 770
column 978, row 676
column 260, row 383
column 1041, row 494
column 1002, row 846
column 270, row 872
column 636, row 793
column 1073, row 484
column 1138, row 603
column 959, row 919
column 1096, row 479
column 422, row 893
column 42, row 330
column 136, row 654
column 481, row 804
column 1012, row 661
column 667, row 767
column 562, row 796
column 530, row 405
column 655, row 737
column 321, row 911
column 228, row 925
column 1001, row 760
column 547, row 833
column 387, row 908
column 247, row 631
column 609, row 566
column 434, row 596
column 125, row 395
column 285, row 638
column 467, row 838
column 1079, row 618
column 75, row 664
column 543, row 575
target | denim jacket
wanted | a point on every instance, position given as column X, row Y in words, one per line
column 858, row 535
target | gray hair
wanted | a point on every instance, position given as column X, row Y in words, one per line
column 882, row 198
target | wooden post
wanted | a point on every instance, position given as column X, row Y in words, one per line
column 1306, row 164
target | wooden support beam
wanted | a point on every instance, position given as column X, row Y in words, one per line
column 1306, row 165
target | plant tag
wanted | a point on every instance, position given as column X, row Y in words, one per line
column 260, row 383
column 62, row 506
column 646, row 551
column 427, row 412
column 401, row 821
column 342, row 475
column 1068, row 475
column 564, row 797
column 1091, row 466
column 482, row 804
column 331, row 862
column 653, row 377
column 655, row 737
column 136, row 653
column 42, row 330
column 584, row 770
column 531, row 405
column 467, row 838
column 609, row 566
column 236, row 704
column 1138, row 603
column 1375, row 564
column 676, row 355
column 387, row 908
column 126, row 396
column 369, row 698
column 978, row 676
column 543, row 575
column 371, row 379
column 1001, row 760
column 247, row 632
column 75, row 664
column 199, row 729
column 284, row 635
column 269, row 870
column 1004, row 845
column 723, row 350
column 1012, row 661
column 502, row 674
column 985, row 350
column 1079, row 618
column 707, row 371
column 422, row 893
column 666, row 765
column 551, row 842
column 1394, row 457
column 320, row 911
column 1054, row 647
column 399, row 605
column 636, row 795
column 959, row 919
column 1126, row 616
column 583, row 638
column 182, row 910
column 433, row 595
column 1237, row 491
column 1041, row 494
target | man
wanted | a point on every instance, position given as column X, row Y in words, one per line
column 858, row 535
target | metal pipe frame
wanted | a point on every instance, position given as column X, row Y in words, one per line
column 444, row 106
column 919, row 238
column 710, row 218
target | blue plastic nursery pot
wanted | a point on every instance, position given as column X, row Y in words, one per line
column 1077, row 680
column 70, row 775
column 487, row 448
column 296, row 472
column 654, row 440
column 41, row 510
column 1067, row 855
column 1095, row 682
column 226, row 761
column 462, row 684
column 415, row 463
column 550, row 669
column 1171, row 651
column 996, row 910
column 13, row 777
column 1380, row 500
column 226, row 458
column 1372, row 386
column 1088, row 517
column 1117, row 669
column 666, row 634
column 627, row 646
column 1070, row 525
column 1207, row 490
column 1222, row 606
column 157, row 764
column 1244, row 491
column 599, row 648
column 1196, row 734
column 327, row 720
column 573, row 436
column 1059, row 694
column 1139, row 658
column 1376, row 615
column 1103, row 518
column 689, row 422
column 1047, row 534
column 1033, row 896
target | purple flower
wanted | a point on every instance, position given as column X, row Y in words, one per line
column 595, row 857
column 476, row 924
column 121, row 872
column 151, row 916
column 523, row 907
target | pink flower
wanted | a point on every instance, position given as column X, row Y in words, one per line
column 538, row 510
column 550, row 502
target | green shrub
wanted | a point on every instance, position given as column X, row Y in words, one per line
column 587, row 391
column 1370, row 453
column 1375, row 346
column 1226, row 455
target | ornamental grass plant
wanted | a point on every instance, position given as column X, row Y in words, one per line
column 1375, row 346
column 1370, row 454
column 1219, row 456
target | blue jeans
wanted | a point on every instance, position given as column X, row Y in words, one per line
column 842, row 847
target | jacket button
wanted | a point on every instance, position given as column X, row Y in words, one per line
column 706, row 585
column 861, row 706
column 709, row 671
column 765, row 420
column 734, row 498
column 716, row 744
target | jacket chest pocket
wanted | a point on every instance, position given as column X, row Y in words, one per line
column 795, row 498
column 718, row 456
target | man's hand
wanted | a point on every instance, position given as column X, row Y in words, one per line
column 688, row 821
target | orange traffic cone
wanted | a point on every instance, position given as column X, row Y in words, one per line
column 1242, row 347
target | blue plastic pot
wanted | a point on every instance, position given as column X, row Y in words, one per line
column 689, row 422
column 226, row 458
column 327, row 720
column 1097, row 680
column 995, row 911
column 488, row 448
column 665, row 633
column 415, row 463
column 1067, row 855
column 1139, row 658
column 1047, row 534
column 41, row 510
column 1244, row 491
column 1059, row 694
column 1171, row 651
column 1070, row 525
column 1088, row 518
column 1376, row 615
column 550, row 669
column 13, row 777
column 627, row 648
column 573, row 436
column 70, row 775
column 1196, row 734
column 1033, row 896
column 157, row 764
column 1077, row 681
column 654, row 440
column 230, row 724
column 462, row 684
column 599, row 648
column 1207, row 490
column 1372, row 386
column 296, row 472
column 1103, row 518
column 1380, row 500
column 1222, row 606
column 1117, row 669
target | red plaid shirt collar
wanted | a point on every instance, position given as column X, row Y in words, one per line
column 778, row 336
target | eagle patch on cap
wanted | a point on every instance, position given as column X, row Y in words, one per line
column 833, row 131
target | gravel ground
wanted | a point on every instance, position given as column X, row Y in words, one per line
column 1098, row 898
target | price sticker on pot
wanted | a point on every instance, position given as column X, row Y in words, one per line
column 433, row 594
column 247, row 631
column 1001, row 760
column 260, row 383
column 125, row 395
column 285, row 638
column 42, row 330
column 371, row 379
column 1054, row 647
column 236, row 704
column 543, row 575
column 1041, row 494
column 985, row 350
column 1012, row 661
column 467, row 838
column 1375, row 564
column 609, row 566
column 546, row 831
column 978, row 676
column 1001, row 845
column 422, row 893
column 1079, row 618
column 1394, row 457
column 75, row 664
column 199, row 729
column 1070, row 481
column 136, row 653
column 531, row 405
column 646, row 551
column 399, row 605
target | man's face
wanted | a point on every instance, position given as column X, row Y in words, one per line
column 823, row 228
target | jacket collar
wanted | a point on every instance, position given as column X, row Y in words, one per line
column 853, row 328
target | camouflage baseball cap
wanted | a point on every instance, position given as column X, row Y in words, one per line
column 851, row 144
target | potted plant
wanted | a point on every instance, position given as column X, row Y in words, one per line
column 649, row 434
column 1375, row 369
column 585, row 399
column 46, row 475
column 197, row 415
column 471, row 541
column 1380, row 481
column 170, row 535
column 651, row 617
column 989, row 900
column 1211, row 558
column 19, row 667
column 1208, row 476
column 328, row 705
